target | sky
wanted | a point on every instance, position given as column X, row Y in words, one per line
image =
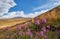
column 25, row 8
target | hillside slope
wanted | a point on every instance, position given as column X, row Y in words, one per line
column 50, row 15
column 12, row 22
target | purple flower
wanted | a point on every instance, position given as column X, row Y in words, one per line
column 18, row 27
column 37, row 22
column 29, row 32
column 41, row 33
column 43, row 29
column 44, row 20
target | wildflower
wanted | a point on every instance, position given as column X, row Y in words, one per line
column 42, row 33
column 44, row 20
column 18, row 27
column 37, row 22
column 43, row 29
column 29, row 32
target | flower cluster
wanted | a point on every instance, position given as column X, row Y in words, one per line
column 37, row 30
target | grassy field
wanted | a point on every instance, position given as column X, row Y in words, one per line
column 11, row 22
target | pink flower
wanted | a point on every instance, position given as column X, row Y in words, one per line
column 41, row 33
column 37, row 22
column 43, row 29
column 29, row 32
column 18, row 27
column 44, row 20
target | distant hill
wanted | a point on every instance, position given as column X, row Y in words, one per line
column 12, row 22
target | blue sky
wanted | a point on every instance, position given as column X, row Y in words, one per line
column 27, row 5
column 25, row 8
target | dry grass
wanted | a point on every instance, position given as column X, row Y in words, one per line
column 11, row 22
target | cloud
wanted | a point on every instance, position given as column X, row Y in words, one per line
column 12, row 15
column 50, row 4
column 21, row 14
column 5, row 5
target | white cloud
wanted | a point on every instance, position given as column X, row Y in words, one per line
column 21, row 14
column 12, row 15
column 5, row 5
